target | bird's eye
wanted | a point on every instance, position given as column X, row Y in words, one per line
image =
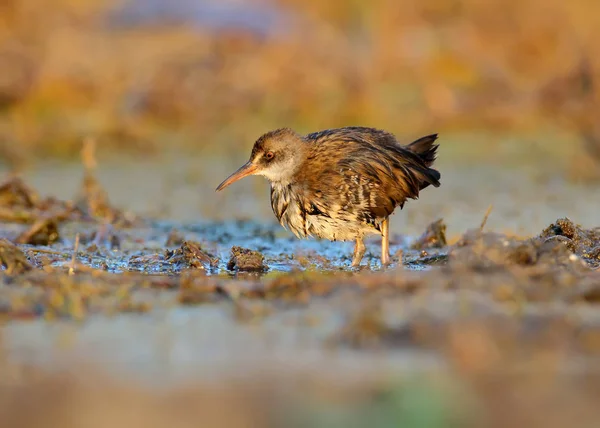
column 269, row 155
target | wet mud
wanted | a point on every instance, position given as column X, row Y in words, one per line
column 55, row 253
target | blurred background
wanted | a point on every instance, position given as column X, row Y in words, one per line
column 184, row 87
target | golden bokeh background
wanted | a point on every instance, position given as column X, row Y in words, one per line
column 144, row 75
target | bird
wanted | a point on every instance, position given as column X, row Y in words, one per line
column 340, row 184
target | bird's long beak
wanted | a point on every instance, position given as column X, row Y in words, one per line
column 245, row 170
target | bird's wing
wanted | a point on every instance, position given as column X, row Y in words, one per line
column 359, row 175
column 406, row 162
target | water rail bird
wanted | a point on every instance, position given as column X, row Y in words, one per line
column 340, row 184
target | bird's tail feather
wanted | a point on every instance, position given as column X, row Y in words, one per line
column 433, row 177
column 426, row 148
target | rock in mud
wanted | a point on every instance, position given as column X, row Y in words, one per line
column 243, row 259
column 562, row 227
column 584, row 243
column 433, row 237
column 13, row 259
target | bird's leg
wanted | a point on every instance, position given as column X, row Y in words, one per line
column 385, row 242
column 359, row 251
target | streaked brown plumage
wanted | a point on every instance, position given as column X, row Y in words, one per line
column 341, row 184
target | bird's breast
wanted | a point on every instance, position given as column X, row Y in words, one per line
column 280, row 199
column 305, row 217
column 287, row 207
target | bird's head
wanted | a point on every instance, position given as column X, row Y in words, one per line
column 276, row 155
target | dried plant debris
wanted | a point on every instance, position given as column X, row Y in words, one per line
column 491, row 251
column 433, row 237
column 190, row 255
column 368, row 328
column 14, row 193
column 105, row 236
column 93, row 199
column 561, row 244
column 429, row 249
column 56, row 295
column 195, row 289
column 194, row 297
column 424, row 259
column 299, row 286
column 43, row 232
column 559, row 265
column 243, row 259
column 13, row 259
column 586, row 290
column 21, row 204
column 175, row 239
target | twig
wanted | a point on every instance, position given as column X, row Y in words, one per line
column 37, row 226
column 485, row 217
column 47, row 251
column 74, row 259
column 88, row 154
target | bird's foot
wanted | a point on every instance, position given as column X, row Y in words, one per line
column 359, row 252
column 385, row 259
column 385, row 242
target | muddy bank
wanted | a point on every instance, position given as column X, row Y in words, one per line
column 64, row 259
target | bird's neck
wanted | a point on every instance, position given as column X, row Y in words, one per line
column 280, row 182
column 282, row 174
